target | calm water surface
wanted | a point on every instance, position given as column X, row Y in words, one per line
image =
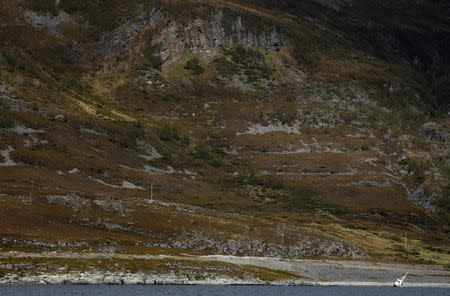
column 98, row 290
column 39, row 290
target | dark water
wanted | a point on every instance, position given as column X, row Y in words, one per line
column 38, row 290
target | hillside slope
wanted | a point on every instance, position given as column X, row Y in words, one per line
column 301, row 129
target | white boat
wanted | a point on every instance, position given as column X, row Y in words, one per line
column 399, row 282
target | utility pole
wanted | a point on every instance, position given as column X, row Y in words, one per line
column 405, row 241
column 151, row 192
column 281, row 231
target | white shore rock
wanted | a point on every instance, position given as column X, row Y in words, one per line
column 309, row 272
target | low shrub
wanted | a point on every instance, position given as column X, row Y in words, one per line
column 6, row 122
column 193, row 66
column 169, row 133
column 151, row 57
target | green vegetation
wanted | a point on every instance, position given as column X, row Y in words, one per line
column 102, row 15
column 226, row 67
column 185, row 10
column 193, row 66
column 252, row 22
column 184, row 149
column 43, row 6
column 95, row 169
column 268, row 188
column 443, row 202
column 443, row 205
column 243, row 60
column 126, row 134
column 304, row 47
column 169, row 133
column 6, row 121
column 418, row 167
column 151, row 57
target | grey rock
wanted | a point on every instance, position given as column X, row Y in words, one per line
column 6, row 91
column 422, row 198
column 34, row 142
column 6, row 159
column 202, row 36
column 150, row 152
column 47, row 21
column 112, row 205
column 40, row 244
column 19, row 79
column 9, row 101
column 71, row 200
column 303, row 246
column 435, row 132
column 336, row 5
column 205, row 36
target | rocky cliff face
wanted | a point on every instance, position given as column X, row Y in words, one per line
column 205, row 36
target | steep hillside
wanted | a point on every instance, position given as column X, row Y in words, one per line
column 294, row 129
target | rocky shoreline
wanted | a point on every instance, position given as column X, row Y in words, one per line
column 110, row 278
column 303, row 272
column 145, row 279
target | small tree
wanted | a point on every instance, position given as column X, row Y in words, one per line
column 193, row 66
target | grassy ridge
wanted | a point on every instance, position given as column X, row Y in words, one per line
column 198, row 121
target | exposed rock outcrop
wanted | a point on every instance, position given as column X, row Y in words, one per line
column 49, row 22
column 435, row 132
column 422, row 198
column 304, row 246
column 171, row 37
column 206, row 36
